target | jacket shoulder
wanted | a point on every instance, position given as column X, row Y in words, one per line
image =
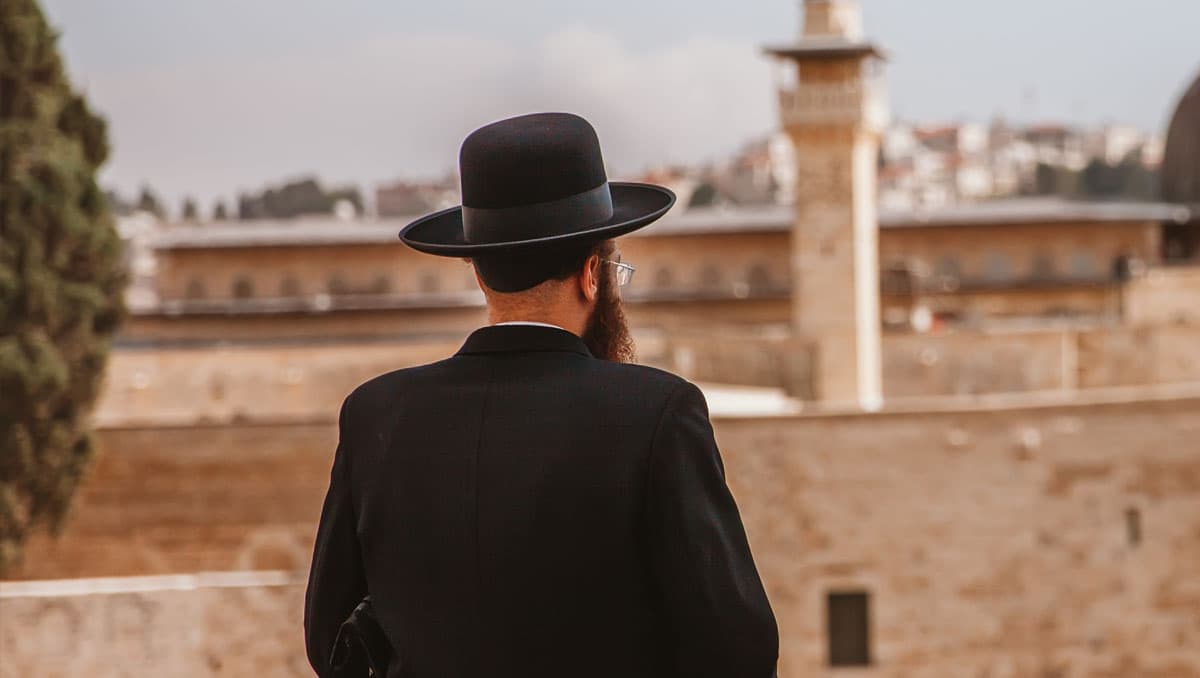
column 382, row 388
column 648, row 380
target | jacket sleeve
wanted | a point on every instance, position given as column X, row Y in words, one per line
column 336, row 583
column 720, row 622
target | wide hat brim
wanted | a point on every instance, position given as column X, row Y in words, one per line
column 635, row 206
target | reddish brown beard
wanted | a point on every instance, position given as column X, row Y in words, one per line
column 607, row 333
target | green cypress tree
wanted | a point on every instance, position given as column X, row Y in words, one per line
column 61, row 278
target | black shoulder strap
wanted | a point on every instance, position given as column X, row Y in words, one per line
column 361, row 648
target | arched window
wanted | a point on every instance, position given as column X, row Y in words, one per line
column 949, row 267
column 195, row 289
column 759, row 279
column 430, row 283
column 896, row 279
column 382, row 284
column 710, row 277
column 1043, row 266
column 948, row 274
column 243, row 287
column 337, row 284
column 289, row 288
column 1126, row 267
column 997, row 267
column 1083, row 264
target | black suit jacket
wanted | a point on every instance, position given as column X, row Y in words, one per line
column 523, row 509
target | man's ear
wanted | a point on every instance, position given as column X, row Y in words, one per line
column 589, row 279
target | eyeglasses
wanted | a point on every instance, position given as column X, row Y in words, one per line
column 624, row 271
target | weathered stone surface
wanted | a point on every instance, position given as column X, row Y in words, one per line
column 981, row 561
column 179, row 631
column 993, row 540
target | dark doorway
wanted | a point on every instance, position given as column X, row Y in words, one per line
column 848, row 622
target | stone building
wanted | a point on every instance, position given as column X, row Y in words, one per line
column 1015, row 261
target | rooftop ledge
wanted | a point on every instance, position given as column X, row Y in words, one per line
column 58, row 588
column 988, row 403
column 731, row 402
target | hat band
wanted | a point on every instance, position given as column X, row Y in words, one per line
column 575, row 213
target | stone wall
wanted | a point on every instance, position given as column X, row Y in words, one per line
column 1134, row 356
column 237, row 383
column 165, row 500
column 1164, row 296
column 970, row 363
column 766, row 359
column 168, row 627
column 182, row 385
column 993, row 540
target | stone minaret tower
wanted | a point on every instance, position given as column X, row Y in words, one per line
column 834, row 113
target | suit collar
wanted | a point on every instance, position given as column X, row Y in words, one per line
column 522, row 338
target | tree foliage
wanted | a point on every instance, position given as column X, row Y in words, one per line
column 1128, row 180
column 188, row 211
column 148, row 202
column 61, row 278
column 298, row 198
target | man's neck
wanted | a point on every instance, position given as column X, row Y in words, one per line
column 528, row 323
column 571, row 325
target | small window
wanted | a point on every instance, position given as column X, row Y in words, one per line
column 997, row 267
column 195, row 289
column 664, row 278
column 949, row 267
column 1126, row 268
column 759, row 278
column 848, row 626
column 710, row 277
column 382, row 284
column 243, row 288
column 1133, row 526
column 289, row 288
column 337, row 284
column 896, row 279
column 1043, row 266
column 1083, row 265
column 430, row 283
column 947, row 274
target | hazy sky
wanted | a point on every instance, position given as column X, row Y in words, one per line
column 209, row 97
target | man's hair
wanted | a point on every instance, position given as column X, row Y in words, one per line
column 522, row 270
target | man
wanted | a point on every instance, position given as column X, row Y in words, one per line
column 535, row 505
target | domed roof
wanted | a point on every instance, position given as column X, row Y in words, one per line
column 1181, row 162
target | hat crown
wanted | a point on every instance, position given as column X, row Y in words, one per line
column 529, row 160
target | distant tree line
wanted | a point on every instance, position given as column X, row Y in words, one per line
column 1129, row 179
column 303, row 197
column 295, row 199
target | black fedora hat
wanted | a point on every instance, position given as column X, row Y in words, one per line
column 531, row 182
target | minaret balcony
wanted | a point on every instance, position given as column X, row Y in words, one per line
column 834, row 104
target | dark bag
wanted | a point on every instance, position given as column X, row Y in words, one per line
column 361, row 648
